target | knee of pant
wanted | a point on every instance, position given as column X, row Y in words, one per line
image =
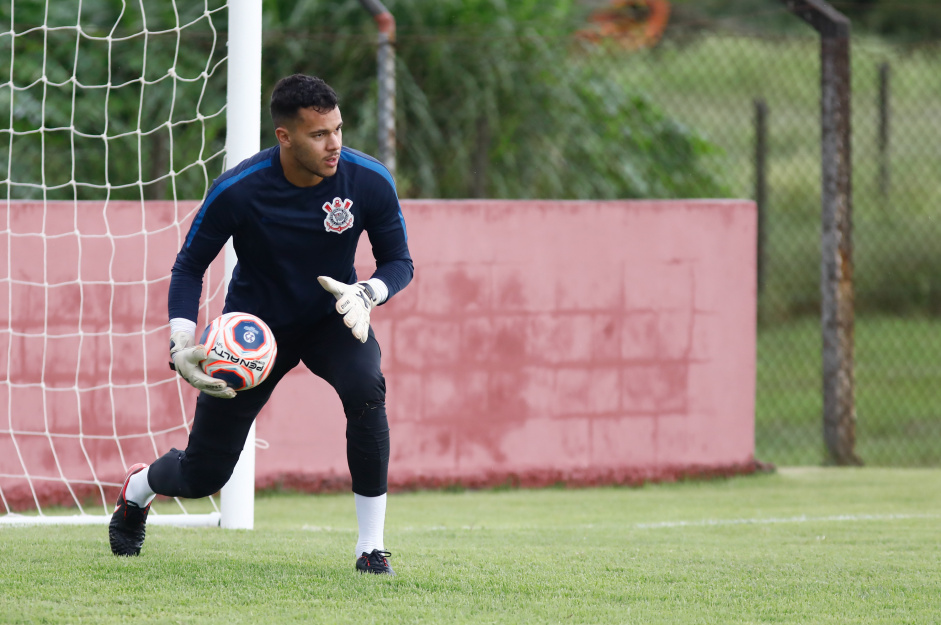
column 363, row 394
column 209, row 477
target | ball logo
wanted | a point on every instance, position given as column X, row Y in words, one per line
column 339, row 217
column 249, row 336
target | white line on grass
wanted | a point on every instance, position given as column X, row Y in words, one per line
column 836, row 518
column 792, row 519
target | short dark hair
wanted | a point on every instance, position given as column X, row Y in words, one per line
column 298, row 91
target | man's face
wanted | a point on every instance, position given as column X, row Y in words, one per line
column 312, row 142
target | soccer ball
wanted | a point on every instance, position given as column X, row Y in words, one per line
column 241, row 350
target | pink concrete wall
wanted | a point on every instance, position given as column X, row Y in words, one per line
column 545, row 341
column 539, row 341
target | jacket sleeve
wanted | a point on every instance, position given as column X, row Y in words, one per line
column 389, row 238
column 214, row 223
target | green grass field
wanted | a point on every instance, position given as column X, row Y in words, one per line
column 799, row 546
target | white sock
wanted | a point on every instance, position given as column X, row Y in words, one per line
column 371, row 517
column 138, row 489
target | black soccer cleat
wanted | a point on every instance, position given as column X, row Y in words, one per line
column 128, row 522
column 375, row 562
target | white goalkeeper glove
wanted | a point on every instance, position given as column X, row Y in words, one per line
column 186, row 358
column 354, row 301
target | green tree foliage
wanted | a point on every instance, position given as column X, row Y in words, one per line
column 495, row 99
column 911, row 21
column 901, row 21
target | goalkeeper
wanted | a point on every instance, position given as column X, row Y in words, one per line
column 295, row 212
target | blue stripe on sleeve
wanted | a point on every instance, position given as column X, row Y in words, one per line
column 222, row 186
column 380, row 169
column 404, row 230
column 375, row 166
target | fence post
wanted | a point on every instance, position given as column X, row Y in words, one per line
column 884, row 74
column 839, row 403
column 761, row 185
column 385, row 60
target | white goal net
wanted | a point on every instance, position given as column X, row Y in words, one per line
column 112, row 126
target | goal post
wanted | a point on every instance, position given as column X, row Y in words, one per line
column 113, row 121
column 243, row 113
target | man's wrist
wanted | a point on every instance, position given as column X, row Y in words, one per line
column 182, row 332
column 380, row 292
column 182, row 324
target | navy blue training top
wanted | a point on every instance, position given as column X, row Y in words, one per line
column 285, row 236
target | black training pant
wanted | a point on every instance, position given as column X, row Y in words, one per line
column 220, row 426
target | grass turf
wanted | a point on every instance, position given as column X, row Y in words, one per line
column 799, row 546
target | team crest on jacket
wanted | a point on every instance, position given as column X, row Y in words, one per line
column 339, row 217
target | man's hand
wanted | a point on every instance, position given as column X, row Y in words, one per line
column 186, row 358
column 354, row 301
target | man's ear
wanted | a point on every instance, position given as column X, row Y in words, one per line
column 283, row 135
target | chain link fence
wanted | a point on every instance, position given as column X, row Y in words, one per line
column 757, row 100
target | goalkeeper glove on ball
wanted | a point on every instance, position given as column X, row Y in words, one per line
column 186, row 359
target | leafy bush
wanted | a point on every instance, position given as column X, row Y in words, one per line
column 494, row 100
